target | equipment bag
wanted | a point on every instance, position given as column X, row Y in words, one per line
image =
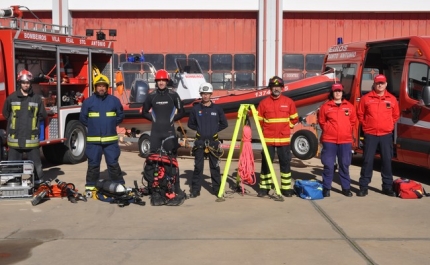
column 408, row 189
column 308, row 189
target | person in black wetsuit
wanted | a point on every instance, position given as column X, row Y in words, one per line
column 166, row 107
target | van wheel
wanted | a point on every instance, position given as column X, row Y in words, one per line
column 144, row 145
column 304, row 144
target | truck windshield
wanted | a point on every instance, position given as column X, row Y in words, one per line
column 345, row 74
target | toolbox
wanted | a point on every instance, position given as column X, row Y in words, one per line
column 16, row 179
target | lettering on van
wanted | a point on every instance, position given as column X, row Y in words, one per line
column 338, row 48
column 34, row 36
column 98, row 43
column 342, row 55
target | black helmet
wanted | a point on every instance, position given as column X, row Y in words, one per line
column 276, row 81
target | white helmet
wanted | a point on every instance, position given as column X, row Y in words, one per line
column 206, row 88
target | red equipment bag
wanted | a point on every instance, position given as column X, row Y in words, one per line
column 408, row 189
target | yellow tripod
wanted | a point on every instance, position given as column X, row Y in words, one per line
column 241, row 118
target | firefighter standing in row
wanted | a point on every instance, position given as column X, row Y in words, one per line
column 163, row 107
column 277, row 115
column 101, row 113
column 24, row 110
column 337, row 118
column 207, row 119
column 378, row 112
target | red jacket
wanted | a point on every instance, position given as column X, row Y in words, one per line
column 276, row 117
column 337, row 122
column 378, row 114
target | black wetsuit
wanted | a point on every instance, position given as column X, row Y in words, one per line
column 166, row 108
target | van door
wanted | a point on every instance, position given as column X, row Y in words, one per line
column 413, row 128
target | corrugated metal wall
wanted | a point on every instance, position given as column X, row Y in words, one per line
column 316, row 32
column 175, row 32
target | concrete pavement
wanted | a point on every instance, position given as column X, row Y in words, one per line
column 376, row 229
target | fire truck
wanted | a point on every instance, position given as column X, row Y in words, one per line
column 405, row 62
column 63, row 66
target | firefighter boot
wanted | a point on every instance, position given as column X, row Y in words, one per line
column 262, row 193
column 287, row 193
column 362, row 192
column 93, row 174
column 115, row 173
column 326, row 192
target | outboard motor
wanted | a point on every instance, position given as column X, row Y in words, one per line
column 139, row 91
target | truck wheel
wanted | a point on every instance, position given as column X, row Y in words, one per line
column 304, row 144
column 144, row 145
column 76, row 143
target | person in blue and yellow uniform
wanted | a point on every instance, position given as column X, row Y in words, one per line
column 277, row 114
column 337, row 118
column 101, row 113
column 24, row 110
column 207, row 119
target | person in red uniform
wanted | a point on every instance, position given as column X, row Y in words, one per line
column 277, row 114
column 336, row 117
column 378, row 112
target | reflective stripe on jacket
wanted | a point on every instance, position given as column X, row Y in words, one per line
column 277, row 117
column 101, row 115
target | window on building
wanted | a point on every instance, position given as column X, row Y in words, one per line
column 221, row 80
column 244, row 80
column 221, row 62
column 155, row 59
column 314, row 62
column 293, row 62
column 170, row 61
column 203, row 60
column 244, row 62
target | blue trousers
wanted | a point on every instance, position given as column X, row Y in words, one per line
column 371, row 143
column 328, row 158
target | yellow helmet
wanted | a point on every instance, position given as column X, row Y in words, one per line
column 100, row 79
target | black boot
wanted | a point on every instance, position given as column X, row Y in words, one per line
column 115, row 173
column 362, row 192
column 326, row 192
column 347, row 192
column 389, row 192
column 262, row 193
column 287, row 193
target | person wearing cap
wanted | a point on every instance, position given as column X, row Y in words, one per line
column 24, row 110
column 337, row 118
column 277, row 115
column 207, row 119
column 101, row 113
column 378, row 112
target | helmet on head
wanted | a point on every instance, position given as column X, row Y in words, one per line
column 276, row 81
column 100, row 79
column 206, row 88
column 162, row 75
column 25, row 75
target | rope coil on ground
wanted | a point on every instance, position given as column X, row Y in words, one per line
column 246, row 169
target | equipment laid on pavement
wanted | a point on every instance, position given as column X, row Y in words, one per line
column 409, row 189
column 308, row 189
column 16, row 179
column 61, row 189
column 117, row 193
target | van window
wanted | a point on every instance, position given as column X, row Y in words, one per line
column 345, row 74
column 418, row 77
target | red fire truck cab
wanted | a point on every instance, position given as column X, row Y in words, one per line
column 406, row 64
column 62, row 66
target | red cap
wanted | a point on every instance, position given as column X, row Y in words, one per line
column 336, row 87
column 380, row 79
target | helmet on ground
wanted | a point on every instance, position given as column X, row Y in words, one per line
column 206, row 88
column 25, row 75
column 162, row 75
column 100, row 79
column 276, row 81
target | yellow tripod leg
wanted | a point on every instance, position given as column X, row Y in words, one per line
column 240, row 115
column 266, row 153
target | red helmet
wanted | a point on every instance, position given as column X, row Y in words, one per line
column 162, row 75
column 25, row 75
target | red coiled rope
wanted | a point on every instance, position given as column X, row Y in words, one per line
column 246, row 168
